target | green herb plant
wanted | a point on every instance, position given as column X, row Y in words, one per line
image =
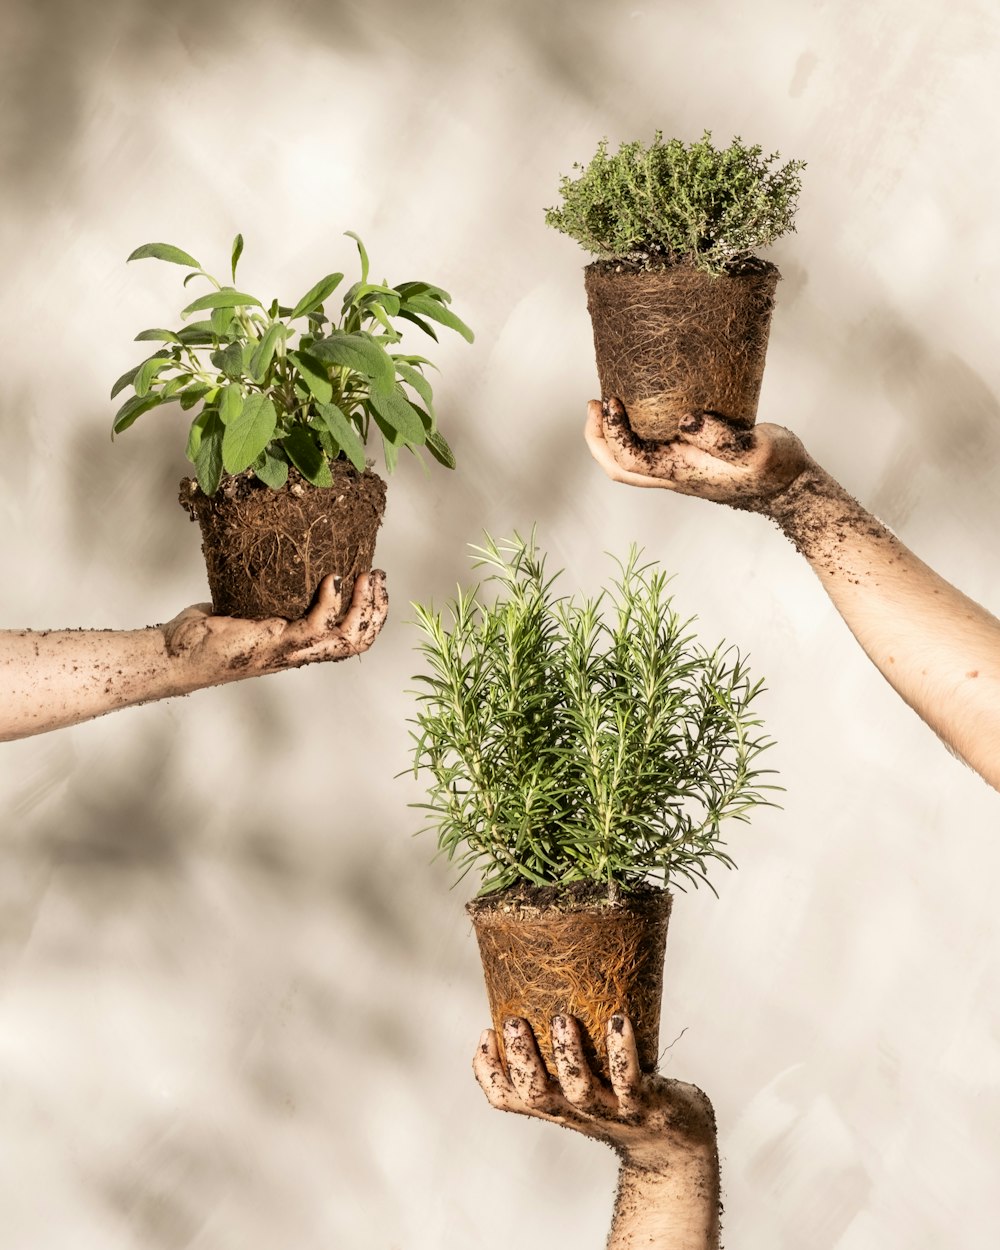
column 673, row 202
column 591, row 741
column 266, row 400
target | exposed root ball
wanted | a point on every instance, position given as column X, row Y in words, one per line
column 575, row 957
column 267, row 551
column 674, row 341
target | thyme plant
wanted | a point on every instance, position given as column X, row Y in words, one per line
column 263, row 402
column 673, row 202
column 590, row 740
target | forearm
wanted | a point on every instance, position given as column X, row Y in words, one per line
column 676, row 1209
column 53, row 678
column 937, row 648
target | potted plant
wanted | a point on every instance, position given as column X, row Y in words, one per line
column 681, row 306
column 581, row 755
column 284, row 399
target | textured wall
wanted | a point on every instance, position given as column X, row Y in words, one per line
column 237, row 1000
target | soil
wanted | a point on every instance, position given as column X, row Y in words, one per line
column 570, row 951
column 675, row 341
column 266, row 551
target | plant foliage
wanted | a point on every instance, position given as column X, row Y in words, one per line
column 264, row 400
column 588, row 741
column 673, row 202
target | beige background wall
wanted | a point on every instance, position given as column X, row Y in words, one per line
column 237, row 1000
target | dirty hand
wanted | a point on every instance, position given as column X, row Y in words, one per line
column 649, row 1120
column 225, row 648
column 746, row 469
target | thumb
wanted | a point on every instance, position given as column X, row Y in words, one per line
column 719, row 436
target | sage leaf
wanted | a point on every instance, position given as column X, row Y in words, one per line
column 304, row 452
column 248, row 433
column 264, row 353
column 229, row 360
column 438, row 446
column 361, row 252
column 131, row 410
column 164, row 251
column 124, row 380
column 157, row 336
column 394, row 408
column 147, row 372
column 272, row 470
column 230, row 404
column 357, row 352
column 237, row 253
column 314, row 375
column 405, row 313
column 346, row 435
column 226, row 298
column 316, row 295
column 192, row 394
column 208, row 461
column 428, row 306
column 417, row 380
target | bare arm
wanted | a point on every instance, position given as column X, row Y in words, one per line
column 663, row 1131
column 937, row 648
column 53, row 678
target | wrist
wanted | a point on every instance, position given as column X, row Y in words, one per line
column 673, row 1203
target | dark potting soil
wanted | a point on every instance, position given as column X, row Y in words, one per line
column 266, row 551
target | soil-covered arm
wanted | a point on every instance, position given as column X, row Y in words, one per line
column 53, row 678
column 938, row 649
column 663, row 1131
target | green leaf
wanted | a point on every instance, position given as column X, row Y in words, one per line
column 417, row 321
column 229, row 360
column 264, row 354
column 157, row 336
column 237, row 253
column 405, row 289
column 198, row 334
column 164, row 251
column 390, row 449
column 314, row 375
column 226, row 298
column 391, row 404
column 192, row 394
column 124, row 380
column 131, row 410
column 249, row 433
column 272, row 470
column 417, row 380
column 438, row 446
column 428, row 306
column 343, row 430
column 361, row 252
column 221, row 323
column 230, row 404
column 357, row 352
column 208, row 461
column 315, row 297
column 307, row 456
column 147, row 372
column 196, row 431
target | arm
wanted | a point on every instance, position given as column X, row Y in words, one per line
column 663, row 1131
column 54, row 678
column 937, row 648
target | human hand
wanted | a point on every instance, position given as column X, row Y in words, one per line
column 747, row 469
column 217, row 649
column 649, row 1120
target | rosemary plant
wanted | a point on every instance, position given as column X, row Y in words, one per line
column 592, row 741
column 675, row 202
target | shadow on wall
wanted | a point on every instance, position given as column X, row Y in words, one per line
column 57, row 51
column 949, row 453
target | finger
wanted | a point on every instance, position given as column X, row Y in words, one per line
column 623, row 1065
column 618, row 459
column 532, row 1084
column 719, row 436
column 580, row 1086
column 493, row 1081
column 328, row 604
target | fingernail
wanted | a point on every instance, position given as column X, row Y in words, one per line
column 559, row 1024
column 618, row 1023
column 692, row 423
column 512, row 1025
column 337, row 583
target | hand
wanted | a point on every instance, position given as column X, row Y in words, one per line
column 648, row 1120
column 746, row 469
column 225, row 648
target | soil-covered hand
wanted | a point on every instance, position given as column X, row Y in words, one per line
column 225, row 648
column 747, row 469
column 649, row 1120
